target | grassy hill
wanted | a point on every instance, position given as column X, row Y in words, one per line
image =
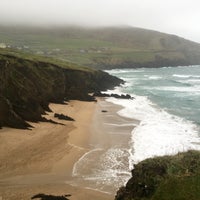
column 164, row 178
column 104, row 47
column 28, row 83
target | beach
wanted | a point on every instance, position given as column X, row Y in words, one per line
column 109, row 155
column 88, row 158
column 41, row 160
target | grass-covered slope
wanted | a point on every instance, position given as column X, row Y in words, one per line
column 164, row 178
column 28, row 83
column 114, row 47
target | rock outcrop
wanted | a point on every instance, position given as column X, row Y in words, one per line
column 63, row 117
column 50, row 197
column 117, row 96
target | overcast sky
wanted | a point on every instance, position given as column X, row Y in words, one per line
column 180, row 17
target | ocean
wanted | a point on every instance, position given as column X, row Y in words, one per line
column 167, row 104
column 167, row 112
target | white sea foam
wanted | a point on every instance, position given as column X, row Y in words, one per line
column 181, row 76
column 78, row 164
column 154, row 77
column 119, row 71
column 193, row 81
column 110, row 168
column 175, row 89
column 185, row 76
column 159, row 133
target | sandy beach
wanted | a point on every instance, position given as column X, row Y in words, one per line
column 41, row 160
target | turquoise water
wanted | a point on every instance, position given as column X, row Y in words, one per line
column 175, row 89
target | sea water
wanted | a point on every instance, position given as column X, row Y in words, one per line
column 166, row 105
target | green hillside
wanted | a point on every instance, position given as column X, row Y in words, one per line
column 104, row 47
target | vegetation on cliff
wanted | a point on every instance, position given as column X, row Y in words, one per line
column 164, row 178
column 28, row 83
column 111, row 47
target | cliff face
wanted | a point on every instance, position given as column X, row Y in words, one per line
column 169, row 177
column 27, row 86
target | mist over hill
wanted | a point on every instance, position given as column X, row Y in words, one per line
column 104, row 48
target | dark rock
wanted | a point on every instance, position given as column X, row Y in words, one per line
column 122, row 96
column 104, row 111
column 8, row 117
column 117, row 96
column 50, row 121
column 100, row 94
column 50, row 197
column 63, row 117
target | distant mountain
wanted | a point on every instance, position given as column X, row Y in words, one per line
column 113, row 47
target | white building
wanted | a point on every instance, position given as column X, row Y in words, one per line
column 2, row 45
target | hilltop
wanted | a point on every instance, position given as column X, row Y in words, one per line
column 104, row 48
column 28, row 83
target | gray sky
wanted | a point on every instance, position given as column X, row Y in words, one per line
column 180, row 17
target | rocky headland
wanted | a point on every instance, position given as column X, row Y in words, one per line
column 27, row 86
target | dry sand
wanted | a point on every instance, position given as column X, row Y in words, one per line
column 41, row 160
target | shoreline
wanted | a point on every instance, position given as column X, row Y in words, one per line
column 109, row 155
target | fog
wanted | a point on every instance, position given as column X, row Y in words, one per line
column 180, row 17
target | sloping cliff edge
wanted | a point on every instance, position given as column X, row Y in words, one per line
column 27, row 86
column 164, row 178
